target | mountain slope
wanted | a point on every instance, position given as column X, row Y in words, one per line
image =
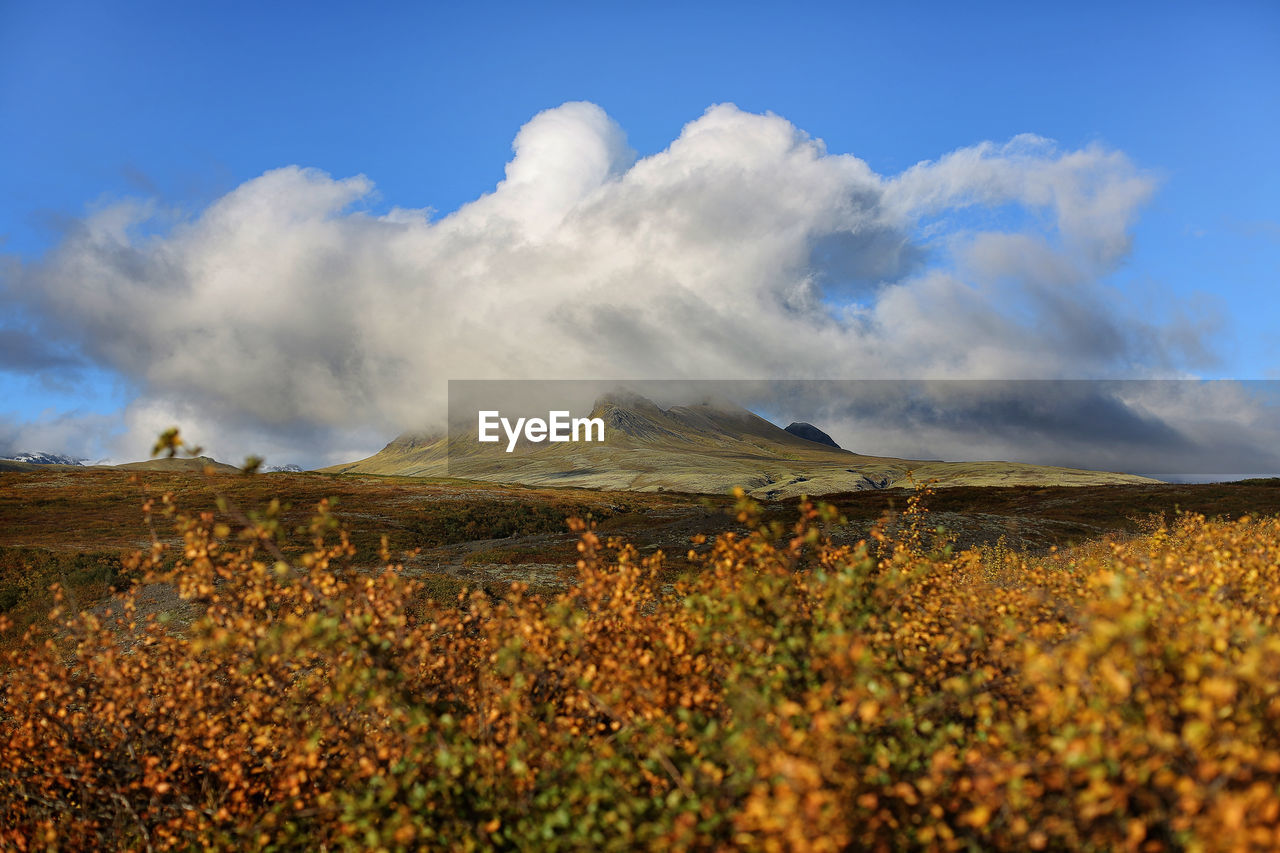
column 408, row 455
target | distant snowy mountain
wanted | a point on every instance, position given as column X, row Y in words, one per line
column 287, row 469
column 44, row 459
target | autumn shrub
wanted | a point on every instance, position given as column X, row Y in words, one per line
column 792, row 694
column 26, row 575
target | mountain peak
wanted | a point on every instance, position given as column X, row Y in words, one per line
column 624, row 399
column 809, row 432
column 633, row 416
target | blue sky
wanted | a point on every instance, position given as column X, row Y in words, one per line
column 180, row 104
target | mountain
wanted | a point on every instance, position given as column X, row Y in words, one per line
column 707, row 447
column 44, row 459
column 177, row 463
column 36, row 461
column 809, row 432
column 285, row 469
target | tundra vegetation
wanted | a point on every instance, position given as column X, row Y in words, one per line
column 784, row 690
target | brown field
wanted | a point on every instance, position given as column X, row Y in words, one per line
column 71, row 527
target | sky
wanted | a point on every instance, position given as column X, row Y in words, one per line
column 284, row 227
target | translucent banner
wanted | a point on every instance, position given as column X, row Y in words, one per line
column 774, row 437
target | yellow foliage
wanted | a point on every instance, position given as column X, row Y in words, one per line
column 794, row 695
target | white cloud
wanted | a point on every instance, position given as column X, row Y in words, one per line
column 79, row 435
column 284, row 314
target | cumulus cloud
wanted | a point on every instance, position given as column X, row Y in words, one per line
column 80, row 435
column 286, row 314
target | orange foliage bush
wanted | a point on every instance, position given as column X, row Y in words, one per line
column 792, row 695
